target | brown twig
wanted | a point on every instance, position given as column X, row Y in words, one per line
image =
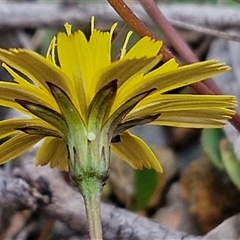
column 139, row 27
column 206, row 87
column 177, row 42
column 173, row 37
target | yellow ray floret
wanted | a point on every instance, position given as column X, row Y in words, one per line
column 139, row 155
column 78, row 91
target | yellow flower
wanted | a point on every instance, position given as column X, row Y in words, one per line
column 81, row 102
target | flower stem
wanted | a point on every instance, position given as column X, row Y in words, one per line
column 91, row 189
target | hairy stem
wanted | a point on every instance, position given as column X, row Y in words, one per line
column 91, row 189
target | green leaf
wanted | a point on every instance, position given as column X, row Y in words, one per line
column 232, row 165
column 210, row 141
column 146, row 181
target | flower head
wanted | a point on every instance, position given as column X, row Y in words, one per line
column 81, row 102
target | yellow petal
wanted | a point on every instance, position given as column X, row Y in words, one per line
column 100, row 46
column 35, row 67
column 166, row 67
column 10, row 91
column 76, row 61
column 184, row 75
column 10, row 126
column 185, row 110
column 50, row 56
column 124, row 70
column 145, row 47
column 127, row 90
column 136, row 152
column 124, row 46
column 165, row 79
column 53, row 151
column 193, row 119
column 16, row 146
column 13, row 105
column 16, row 77
column 157, row 103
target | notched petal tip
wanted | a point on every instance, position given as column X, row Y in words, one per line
column 15, row 50
column 68, row 28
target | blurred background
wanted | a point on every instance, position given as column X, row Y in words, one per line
column 199, row 188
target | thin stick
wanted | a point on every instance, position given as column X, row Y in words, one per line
column 176, row 41
column 139, row 27
column 232, row 36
